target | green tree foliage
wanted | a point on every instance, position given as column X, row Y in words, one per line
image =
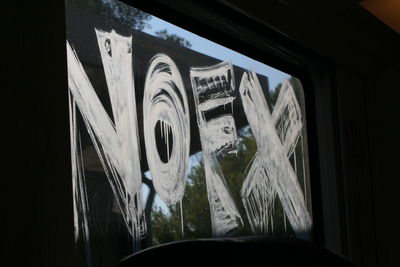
column 115, row 11
column 173, row 38
column 126, row 15
column 196, row 212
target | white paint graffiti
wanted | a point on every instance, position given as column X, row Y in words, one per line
column 165, row 102
column 287, row 118
column 80, row 203
column 166, row 117
column 271, row 172
column 214, row 86
column 116, row 143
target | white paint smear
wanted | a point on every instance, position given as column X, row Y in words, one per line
column 80, row 200
column 116, row 143
column 214, row 86
column 287, row 117
column 220, row 134
column 165, row 102
column 271, row 172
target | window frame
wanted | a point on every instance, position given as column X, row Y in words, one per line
column 266, row 44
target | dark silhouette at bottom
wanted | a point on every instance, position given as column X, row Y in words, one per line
column 244, row 251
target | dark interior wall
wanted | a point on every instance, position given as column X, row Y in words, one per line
column 36, row 179
column 369, row 139
column 382, row 100
column 357, row 122
column 356, row 183
column 339, row 30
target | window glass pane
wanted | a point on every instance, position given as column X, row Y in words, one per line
column 174, row 137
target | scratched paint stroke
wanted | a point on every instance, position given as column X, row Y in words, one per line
column 80, row 200
column 214, row 86
column 116, row 142
column 165, row 103
column 287, row 117
column 271, row 172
